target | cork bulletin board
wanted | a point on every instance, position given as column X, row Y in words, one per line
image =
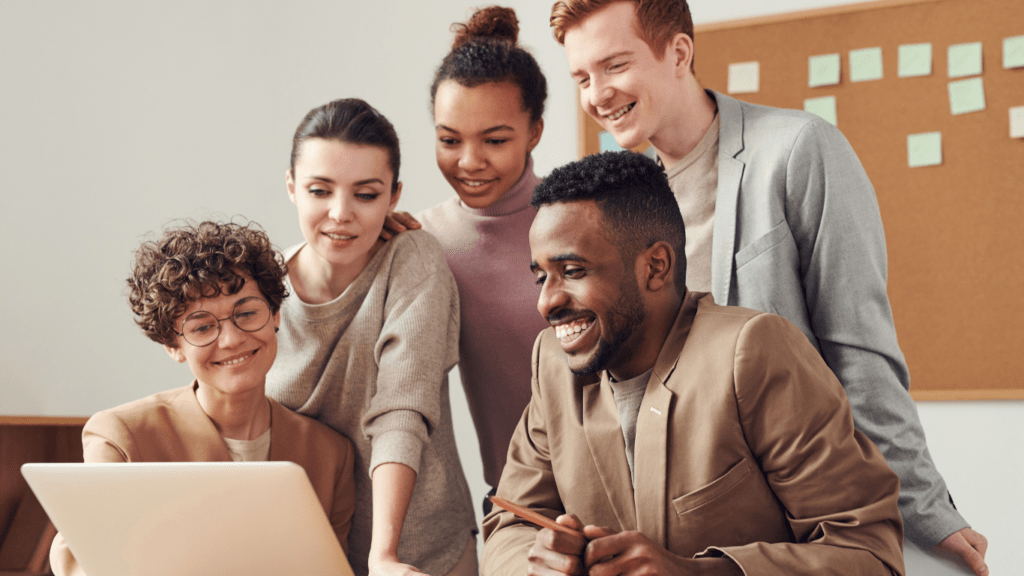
column 954, row 231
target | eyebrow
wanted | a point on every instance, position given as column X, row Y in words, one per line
column 359, row 183
column 565, row 257
column 604, row 60
column 487, row 131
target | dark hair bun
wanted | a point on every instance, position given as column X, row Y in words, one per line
column 494, row 22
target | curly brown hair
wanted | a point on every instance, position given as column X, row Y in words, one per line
column 193, row 261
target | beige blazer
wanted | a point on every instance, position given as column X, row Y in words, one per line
column 745, row 447
column 172, row 427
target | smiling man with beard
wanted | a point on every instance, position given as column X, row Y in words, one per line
column 672, row 435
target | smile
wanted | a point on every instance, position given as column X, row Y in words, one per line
column 338, row 236
column 618, row 113
column 567, row 333
column 476, row 183
column 237, row 360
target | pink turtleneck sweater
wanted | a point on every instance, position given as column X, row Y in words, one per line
column 488, row 251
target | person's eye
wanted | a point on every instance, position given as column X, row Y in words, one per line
column 245, row 315
column 200, row 329
column 318, row 192
column 617, row 66
column 448, row 141
column 540, row 280
column 583, row 80
column 497, row 141
column 574, row 272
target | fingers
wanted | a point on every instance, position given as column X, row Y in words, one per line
column 970, row 546
column 557, row 552
column 570, row 521
column 406, row 221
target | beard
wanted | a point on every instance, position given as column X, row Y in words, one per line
column 625, row 316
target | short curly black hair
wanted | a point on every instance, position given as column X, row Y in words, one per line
column 485, row 50
column 634, row 197
column 192, row 261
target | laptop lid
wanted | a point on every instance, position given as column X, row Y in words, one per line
column 196, row 518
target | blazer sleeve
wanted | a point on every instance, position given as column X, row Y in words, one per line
column 343, row 504
column 105, row 438
column 839, row 494
column 528, row 480
column 835, row 221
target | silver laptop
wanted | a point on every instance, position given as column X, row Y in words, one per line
column 198, row 518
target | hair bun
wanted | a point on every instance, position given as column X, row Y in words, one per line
column 493, row 22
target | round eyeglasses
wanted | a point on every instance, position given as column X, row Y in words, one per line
column 203, row 328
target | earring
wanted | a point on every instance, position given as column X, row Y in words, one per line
column 277, row 329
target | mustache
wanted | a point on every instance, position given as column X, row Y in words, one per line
column 567, row 314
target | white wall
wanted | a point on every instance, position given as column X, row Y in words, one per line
column 118, row 116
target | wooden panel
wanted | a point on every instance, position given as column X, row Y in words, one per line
column 956, row 257
column 23, row 525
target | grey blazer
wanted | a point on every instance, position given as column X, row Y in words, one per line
column 797, row 232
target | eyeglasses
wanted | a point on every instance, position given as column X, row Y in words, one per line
column 203, row 328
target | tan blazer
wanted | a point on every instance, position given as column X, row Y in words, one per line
column 172, row 427
column 745, row 447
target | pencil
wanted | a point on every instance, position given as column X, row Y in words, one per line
column 531, row 516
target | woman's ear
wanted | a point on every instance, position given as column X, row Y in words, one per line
column 175, row 353
column 290, row 183
column 394, row 198
column 535, row 133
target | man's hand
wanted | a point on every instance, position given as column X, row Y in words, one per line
column 555, row 553
column 970, row 546
column 398, row 222
column 611, row 553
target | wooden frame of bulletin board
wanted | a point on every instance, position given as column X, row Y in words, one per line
column 953, row 231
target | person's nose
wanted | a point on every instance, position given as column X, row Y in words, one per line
column 552, row 297
column 341, row 208
column 472, row 159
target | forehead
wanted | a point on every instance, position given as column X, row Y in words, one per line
column 222, row 304
column 611, row 29
column 342, row 161
column 480, row 107
column 570, row 228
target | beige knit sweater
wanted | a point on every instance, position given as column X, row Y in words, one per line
column 373, row 364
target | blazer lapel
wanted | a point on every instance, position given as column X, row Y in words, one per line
column 206, row 445
column 608, row 449
column 650, row 455
column 730, row 174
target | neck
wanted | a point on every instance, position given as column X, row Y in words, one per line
column 693, row 115
column 241, row 416
column 317, row 281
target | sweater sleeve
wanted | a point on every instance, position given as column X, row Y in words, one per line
column 417, row 346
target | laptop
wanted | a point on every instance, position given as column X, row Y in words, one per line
column 196, row 518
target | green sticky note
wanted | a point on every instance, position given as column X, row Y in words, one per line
column 965, row 60
column 608, row 143
column 823, row 70
column 1017, row 122
column 865, row 64
column 966, row 96
column 1013, row 52
column 915, row 60
column 924, row 149
column 744, row 77
column 824, row 107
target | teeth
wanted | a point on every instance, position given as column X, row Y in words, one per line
column 338, row 236
column 569, row 332
column 474, row 183
column 235, row 361
column 618, row 113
